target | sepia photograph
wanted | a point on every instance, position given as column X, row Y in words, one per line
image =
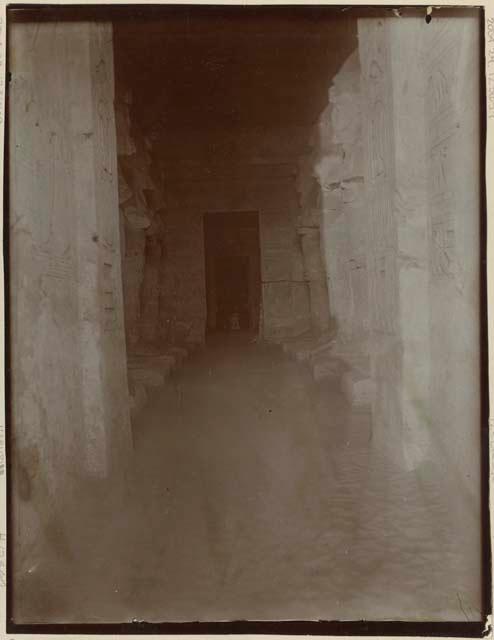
column 246, row 315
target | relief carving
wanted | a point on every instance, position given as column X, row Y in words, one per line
column 443, row 248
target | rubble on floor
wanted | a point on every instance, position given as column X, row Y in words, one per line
column 329, row 360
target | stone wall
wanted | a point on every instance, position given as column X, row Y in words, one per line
column 453, row 148
column 334, row 229
column 172, row 231
column 143, row 221
column 391, row 181
column 70, row 415
column 265, row 184
column 285, row 295
column 344, row 222
column 183, row 285
column 422, row 190
column 230, row 235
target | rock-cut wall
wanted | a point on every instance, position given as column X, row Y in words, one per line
column 334, row 230
column 143, row 211
column 70, row 417
column 422, row 190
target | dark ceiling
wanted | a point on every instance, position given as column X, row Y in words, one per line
column 227, row 67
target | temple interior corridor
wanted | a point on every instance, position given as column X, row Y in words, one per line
column 245, row 294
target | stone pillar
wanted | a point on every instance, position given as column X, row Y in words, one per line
column 142, row 206
column 133, row 273
column 154, row 256
column 70, row 413
column 422, row 182
column 453, row 146
column 394, row 159
column 310, row 243
column 338, row 170
column 315, row 275
column 285, row 300
column 337, row 208
column 125, row 142
column 421, row 169
column 134, row 220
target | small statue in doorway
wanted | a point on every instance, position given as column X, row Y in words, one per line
column 235, row 321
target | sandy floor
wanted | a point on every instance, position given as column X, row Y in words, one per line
column 257, row 494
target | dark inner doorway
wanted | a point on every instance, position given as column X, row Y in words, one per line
column 233, row 279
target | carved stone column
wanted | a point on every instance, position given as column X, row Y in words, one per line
column 154, row 255
column 422, row 186
column 420, row 137
column 315, row 275
column 140, row 200
column 309, row 233
column 68, row 345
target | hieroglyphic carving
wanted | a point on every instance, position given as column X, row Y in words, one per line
column 57, row 266
column 443, row 254
column 451, row 61
column 442, row 124
column 378, row 159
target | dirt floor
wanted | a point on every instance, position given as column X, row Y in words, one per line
column 256, row 493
